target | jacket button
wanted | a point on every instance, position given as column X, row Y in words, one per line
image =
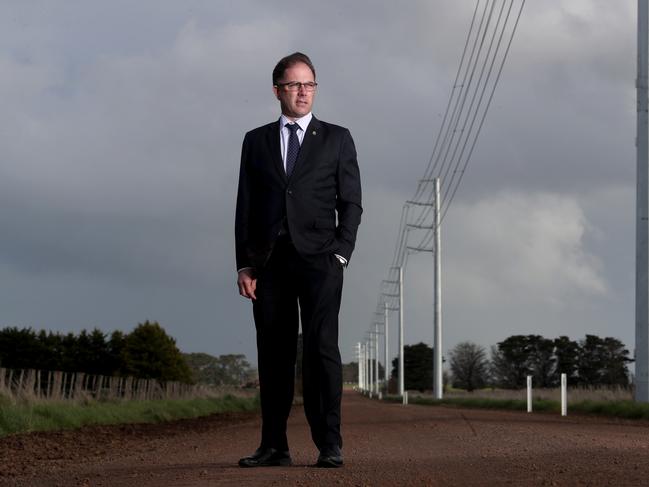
column 289, row 192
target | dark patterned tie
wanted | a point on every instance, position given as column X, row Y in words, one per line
column 293, row 148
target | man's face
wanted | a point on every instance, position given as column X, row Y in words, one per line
column 295, row 104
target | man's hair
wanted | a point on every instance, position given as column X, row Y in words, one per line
column 289, row 61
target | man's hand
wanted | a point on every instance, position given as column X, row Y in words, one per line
column 247, row 283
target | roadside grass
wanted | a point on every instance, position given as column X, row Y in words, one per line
column 480, row 403
column 33, row 415
column 619, row 409
column 575, row 393
column 485, row 403
column 605, row 403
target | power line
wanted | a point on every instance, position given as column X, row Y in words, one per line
column 448, row 105
column 456, row 131
column 452, row 188
column 484, row 115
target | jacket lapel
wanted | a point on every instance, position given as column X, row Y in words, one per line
column 311, row 139
column 272, row 139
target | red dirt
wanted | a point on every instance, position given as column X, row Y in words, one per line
column 385, row 444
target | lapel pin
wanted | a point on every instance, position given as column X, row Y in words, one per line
column 314, row 132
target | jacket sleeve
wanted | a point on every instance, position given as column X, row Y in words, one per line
column 242, row 215
column 348, row 197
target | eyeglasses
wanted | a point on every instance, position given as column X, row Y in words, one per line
column 309, row 86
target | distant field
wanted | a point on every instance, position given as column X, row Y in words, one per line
column 575, row 394
column 616, row 402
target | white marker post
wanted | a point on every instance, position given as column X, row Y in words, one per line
column 438, row 382
column 405, row 398
column 370, row 366
column 529, row 393
column 564, row 395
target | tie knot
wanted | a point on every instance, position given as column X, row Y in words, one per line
column 292, row 127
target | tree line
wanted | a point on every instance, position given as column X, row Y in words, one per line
column 147, row 352
column 224, row 370
column 591, row 361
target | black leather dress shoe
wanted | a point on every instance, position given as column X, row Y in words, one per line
column 330, row 457
column 266, row 457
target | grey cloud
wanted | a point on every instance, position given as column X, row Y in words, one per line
column 120, row 139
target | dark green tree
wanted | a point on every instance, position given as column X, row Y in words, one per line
column 417, row 367
column 115, row 353
column 235, row 369
column 566, row 352
column 50, row 351
column 98, row 355
column 69, row 353
column 542, row 361
column 232, row 369
column 603, row 361
column 521, row 355
column 19, row 348
column 82, row 357
column 469, row 366
column 350, row 372
column 509, row 362
column 150, row 353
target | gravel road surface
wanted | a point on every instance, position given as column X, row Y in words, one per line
column 385, row 444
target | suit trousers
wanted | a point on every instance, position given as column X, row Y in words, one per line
column 291, row 285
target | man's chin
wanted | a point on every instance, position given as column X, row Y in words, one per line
column 302, row 110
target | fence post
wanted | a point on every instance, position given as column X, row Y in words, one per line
column 99, row 386
column 109, row 386
column 564, row 395
column 19, row 387
column 56, row 384
column 73, row 385
column 78, row 384
column 128, row 388
column 27, row 386
column 529, row 393
column 67, row 385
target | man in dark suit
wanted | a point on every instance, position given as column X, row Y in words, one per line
column 298, row 211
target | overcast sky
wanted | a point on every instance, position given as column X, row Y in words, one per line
column 120, row 136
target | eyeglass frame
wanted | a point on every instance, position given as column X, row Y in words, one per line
column 294, row 86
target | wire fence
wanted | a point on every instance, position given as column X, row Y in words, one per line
column 32, row 384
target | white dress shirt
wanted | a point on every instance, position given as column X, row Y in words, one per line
column 285, row 133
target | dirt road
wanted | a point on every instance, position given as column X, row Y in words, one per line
column 385, row 444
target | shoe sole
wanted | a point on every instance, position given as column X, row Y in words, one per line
column 286, row 462
column 328, row 464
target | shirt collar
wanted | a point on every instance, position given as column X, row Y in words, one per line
column 302, row 122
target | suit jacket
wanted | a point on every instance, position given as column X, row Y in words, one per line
column 321, row 201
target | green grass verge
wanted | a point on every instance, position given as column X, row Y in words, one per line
column 481, row 403
column 50, row 415
column 618, row 409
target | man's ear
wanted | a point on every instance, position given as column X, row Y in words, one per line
column 276, row 91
